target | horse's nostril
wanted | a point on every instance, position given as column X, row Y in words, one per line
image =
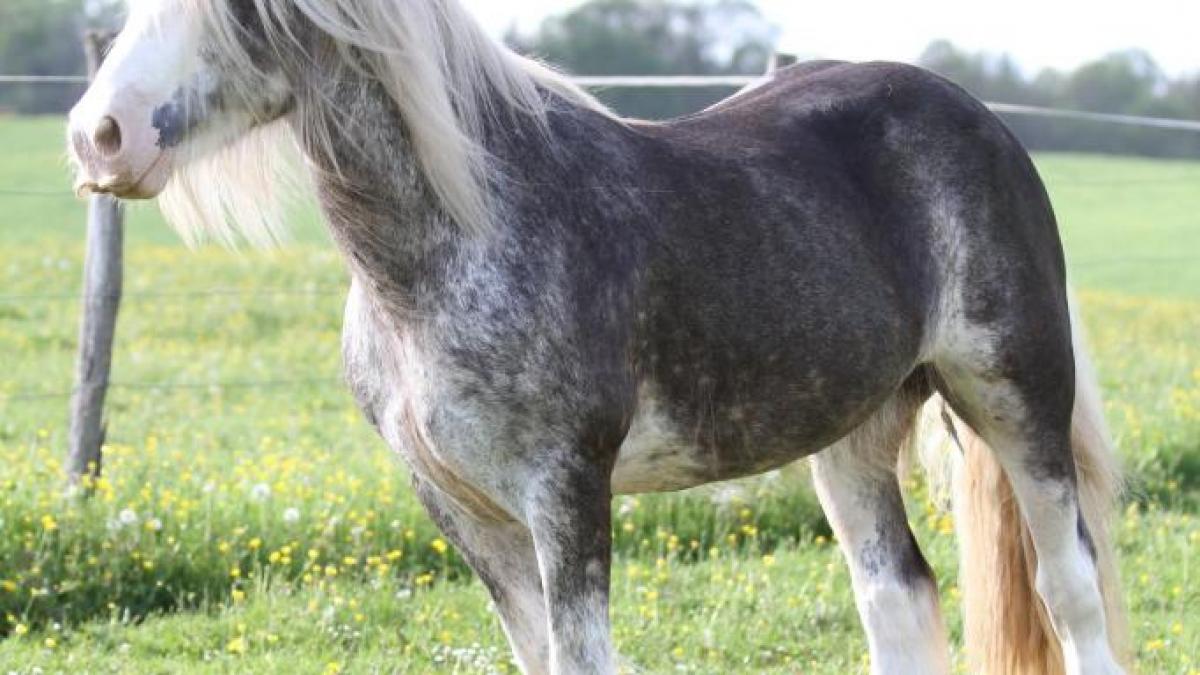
column 108, row 137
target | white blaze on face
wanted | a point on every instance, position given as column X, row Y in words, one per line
column 112, row 133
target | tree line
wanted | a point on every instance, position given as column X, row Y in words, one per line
column 1126, row 83
column 694, row 37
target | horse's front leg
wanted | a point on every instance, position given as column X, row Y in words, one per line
column 502, row 555
column 568, row 512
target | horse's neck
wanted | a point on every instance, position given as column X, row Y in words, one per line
column 396, row 237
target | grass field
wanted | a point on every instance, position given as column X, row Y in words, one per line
column 261, row 527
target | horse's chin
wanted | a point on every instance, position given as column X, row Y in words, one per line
column 148, row 184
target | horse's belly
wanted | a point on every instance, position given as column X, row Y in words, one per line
column 657, row 455
column 682, row 444
column 663, row 453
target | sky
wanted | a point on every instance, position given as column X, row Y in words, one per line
column 1037, row 33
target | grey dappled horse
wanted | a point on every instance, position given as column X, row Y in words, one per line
column 551, row 304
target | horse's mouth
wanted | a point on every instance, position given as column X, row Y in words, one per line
column 147, row 185
column 118, row 190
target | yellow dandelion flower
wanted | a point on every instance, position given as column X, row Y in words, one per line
column 237, row 645
column 946, row 524
column 439, row 546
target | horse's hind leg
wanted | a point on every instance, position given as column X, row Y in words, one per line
column 504, row 558
column 1016, row 389
column 893, row 585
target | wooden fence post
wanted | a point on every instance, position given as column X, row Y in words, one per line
column 102, row 281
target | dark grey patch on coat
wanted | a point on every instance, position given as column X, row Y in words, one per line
column 176, row 118
column 1086, row 538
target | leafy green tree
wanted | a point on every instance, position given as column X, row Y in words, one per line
column 1120, row 82
column 1127, row 82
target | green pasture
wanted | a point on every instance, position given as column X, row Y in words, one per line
column 259, row 526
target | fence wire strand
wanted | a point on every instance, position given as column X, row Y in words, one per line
column 24, row 397
column 68, row 296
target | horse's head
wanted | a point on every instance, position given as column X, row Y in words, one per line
column 183, row 106
column 184, row 78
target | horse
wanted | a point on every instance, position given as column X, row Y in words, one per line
column 551, row 305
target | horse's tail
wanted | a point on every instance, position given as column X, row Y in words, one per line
column 1007, row 628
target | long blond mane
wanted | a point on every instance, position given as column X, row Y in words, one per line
column 445, row 75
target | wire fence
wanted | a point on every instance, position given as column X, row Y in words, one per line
column 740, row 81
column 248, row 295
column 30, row 396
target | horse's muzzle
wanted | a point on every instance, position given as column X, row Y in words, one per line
column 115, row 150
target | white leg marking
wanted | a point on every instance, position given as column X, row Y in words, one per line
column 896, row 601
column 904, row 626
column 1067, row 579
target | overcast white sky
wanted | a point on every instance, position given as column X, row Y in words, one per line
column 1038, row 33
